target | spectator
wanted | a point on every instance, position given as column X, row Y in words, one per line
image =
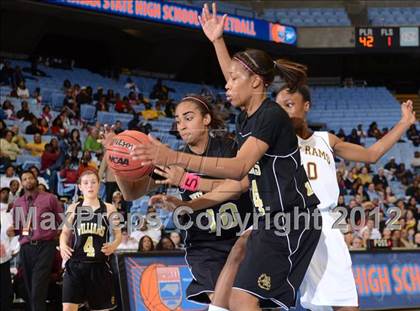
column 415, row 163
column 24, row 113
column 120, row 204
column 41, row 180
column 410, row 221
column 391, row 165
column 69, row 172
column 417, row 239
column 22, row 90
column 7, row 250
column 402, row 173
column 3, row 128
column 8, row 176
column 165, row 244
column 380, row 179
column 353, row 137
column 74, row 140
column 37, row 95
column 14, row 190
column 49, row 157
column 371, row 229
column 414, row 135
column 152, row 227
column 145, row 244
column 374, row 131
column 86, row 163
column 348, row 238
column 387, row 234
column 99, row 93
column 8, row 149
column 46, row 113
column 176, row 239
column 357, row 243
column 37, row 147
column 110, row 97
column 91, row 143
column 66, row 85
column 121, row 105
column 84, row 97
column 118, row 127
column 33, row 128
column 150, row 114
column 390, row 196
column 360, row 132
column 58, row 126
column 160, row 91
column 4, row 200
column 9, row 110
column 43, row 126
column 127, row 242
column 372, row 193
column 396, row 239
column 37, row 242
column 364, row 176
column 19, row 140
column 102, row 105
column 131, row 85
column 17, row 77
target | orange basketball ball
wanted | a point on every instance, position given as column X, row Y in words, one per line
column 119, row 159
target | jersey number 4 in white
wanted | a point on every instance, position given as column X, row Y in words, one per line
column 88, row 247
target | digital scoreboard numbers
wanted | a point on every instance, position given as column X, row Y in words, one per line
column 377, row 37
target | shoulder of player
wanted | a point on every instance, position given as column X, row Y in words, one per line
column 72, row 207
column 333, row 140
column 272, row 110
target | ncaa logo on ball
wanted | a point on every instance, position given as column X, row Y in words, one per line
column 118, row 160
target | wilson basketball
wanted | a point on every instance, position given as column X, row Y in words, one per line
column 119, row 159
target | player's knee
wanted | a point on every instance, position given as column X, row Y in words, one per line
column 241, row 301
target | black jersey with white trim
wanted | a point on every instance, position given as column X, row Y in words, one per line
column 91, row 231
column 221, row 147
column 278, row 180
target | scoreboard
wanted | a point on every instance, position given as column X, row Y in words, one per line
column 386, row 37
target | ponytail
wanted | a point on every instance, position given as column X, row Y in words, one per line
column 293, row 74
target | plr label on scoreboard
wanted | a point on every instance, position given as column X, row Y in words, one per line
column 377, row 37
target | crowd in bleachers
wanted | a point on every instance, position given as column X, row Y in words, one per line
column 58, row 140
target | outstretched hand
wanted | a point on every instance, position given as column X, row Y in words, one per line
column 212, row 24
column 173, row 175
column 106, row 135
column 154, row 153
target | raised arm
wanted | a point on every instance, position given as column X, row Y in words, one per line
column 372, row 154
column 213, row 26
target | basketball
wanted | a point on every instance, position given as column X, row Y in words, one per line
column 119, row 159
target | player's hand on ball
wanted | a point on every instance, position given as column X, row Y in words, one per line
column 108, row 248
column 173, row 175
column 212, row 24
column 167, row 202
column 66, row 252
column 106, row 135
column 408, row 116
column 154, row 153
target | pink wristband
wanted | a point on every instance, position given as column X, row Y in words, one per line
column 190, row 182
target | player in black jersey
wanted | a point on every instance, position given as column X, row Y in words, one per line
column 206, row 248
column 88, row 276
column 276, row 259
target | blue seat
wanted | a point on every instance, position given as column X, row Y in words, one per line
column 88, row 113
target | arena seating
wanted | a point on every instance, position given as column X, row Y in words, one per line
column 387, row 16
column 309, row 17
